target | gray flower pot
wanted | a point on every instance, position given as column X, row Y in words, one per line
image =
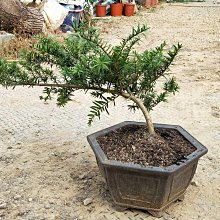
column 150, row 188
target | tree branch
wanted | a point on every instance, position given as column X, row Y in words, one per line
column 54, row 85
column 96, row 44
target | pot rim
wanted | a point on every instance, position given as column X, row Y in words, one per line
column 199, row 152
column 116, row 3
column 101, row 5
column 130, row 4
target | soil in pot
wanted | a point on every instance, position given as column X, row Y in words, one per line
column 133, row 144
column 128, row 9
column 116, row 9
column 100, row 10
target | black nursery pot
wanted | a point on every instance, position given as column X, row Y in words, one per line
column 150, row 188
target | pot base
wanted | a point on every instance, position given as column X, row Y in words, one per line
column 155, row 213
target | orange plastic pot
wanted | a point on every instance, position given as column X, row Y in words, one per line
column 116, row 9
column 154, row 3
column 100, row 10
column 148, row 3
column 128, row 9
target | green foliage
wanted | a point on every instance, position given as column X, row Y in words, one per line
column 86, row 62
column 100, row 106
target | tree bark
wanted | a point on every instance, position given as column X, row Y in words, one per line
column 16, row 17
column 139, row 103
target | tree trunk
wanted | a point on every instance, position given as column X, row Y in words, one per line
column 15, row 16
column 138, row 102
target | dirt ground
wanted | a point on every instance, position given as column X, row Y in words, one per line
column 48, row 169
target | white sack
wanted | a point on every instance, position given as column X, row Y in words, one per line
column 26, row 2
column 55, row 13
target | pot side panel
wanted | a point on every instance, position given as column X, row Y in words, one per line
column 181, row 181
column 133, row 189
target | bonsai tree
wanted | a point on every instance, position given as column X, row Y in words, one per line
column 85, row 62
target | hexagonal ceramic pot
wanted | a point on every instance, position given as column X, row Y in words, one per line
column 150, row 188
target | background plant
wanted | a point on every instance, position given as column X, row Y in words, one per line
column 87, row 63
column 10, row 50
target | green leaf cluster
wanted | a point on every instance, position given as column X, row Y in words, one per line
column 83, row 61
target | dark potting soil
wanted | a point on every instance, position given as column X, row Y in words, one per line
column 133, row 144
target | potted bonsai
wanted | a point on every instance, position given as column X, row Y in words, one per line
column 116, row 8
column 145, row 165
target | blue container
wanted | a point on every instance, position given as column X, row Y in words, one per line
column 72, row 18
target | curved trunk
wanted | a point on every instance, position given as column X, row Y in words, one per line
column 150, row 126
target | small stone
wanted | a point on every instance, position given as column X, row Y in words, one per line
column 21, row 213
column 82, row 176
column 68, row 204
column 9, row 147
column 2, row 214
column 210, row 158
column 3, row 206
column 89, row 176
column 194, row 183
column 73, row 176
column 47, row 206
column 17, row 197
column 167, row 218
column 87, row 201
column 30, row 199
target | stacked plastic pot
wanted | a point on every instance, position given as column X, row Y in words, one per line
column 116, row 9
column 151, row 3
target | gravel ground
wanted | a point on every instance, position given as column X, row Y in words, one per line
column 48, row 170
